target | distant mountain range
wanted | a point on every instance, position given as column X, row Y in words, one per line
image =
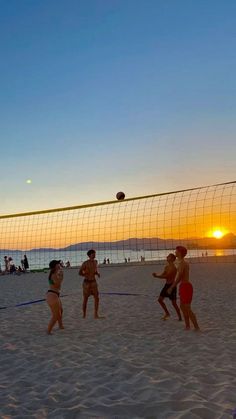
column 226, row 242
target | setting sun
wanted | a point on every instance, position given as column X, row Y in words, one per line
column 217, row 234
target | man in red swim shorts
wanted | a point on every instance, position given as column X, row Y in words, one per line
column 185, row 288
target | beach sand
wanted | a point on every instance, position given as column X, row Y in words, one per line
column 130, row 364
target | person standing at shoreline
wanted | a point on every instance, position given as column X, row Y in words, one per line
column 6, row 264
column 26, row 263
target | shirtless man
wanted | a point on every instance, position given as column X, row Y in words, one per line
column 169, row 275
column 89, row 270
column 185, row 288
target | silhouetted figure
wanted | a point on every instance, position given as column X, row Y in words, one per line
column 104, row 261
column 6, row 264
column 126, row 260
column 26, row 263
column 68, row 265
column 12, row 267
column 108, row 261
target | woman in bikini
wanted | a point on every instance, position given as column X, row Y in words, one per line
column 53, row 295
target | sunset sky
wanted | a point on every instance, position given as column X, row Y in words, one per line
column 105, row 95
column 206, row 212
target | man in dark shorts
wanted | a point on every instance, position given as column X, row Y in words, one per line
column 169, row 275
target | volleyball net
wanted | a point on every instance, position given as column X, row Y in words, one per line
column 136, row 230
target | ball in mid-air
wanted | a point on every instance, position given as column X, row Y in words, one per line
column 120, row 196
column 28, row 181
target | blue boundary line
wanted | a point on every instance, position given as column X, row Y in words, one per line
column 67, row 295
column 29, row 302
column 122, row 293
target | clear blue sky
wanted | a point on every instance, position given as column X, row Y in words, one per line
column 105, row 95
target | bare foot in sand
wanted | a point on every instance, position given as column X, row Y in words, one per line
column 197, row 329
column 165, row 317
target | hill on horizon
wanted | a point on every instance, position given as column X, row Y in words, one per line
column 226, row 242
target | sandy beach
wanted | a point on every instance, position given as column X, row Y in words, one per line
column 130, row 364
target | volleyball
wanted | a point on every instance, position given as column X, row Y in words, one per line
column 120, row 196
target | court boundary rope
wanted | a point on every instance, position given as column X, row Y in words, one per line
column 41, row 300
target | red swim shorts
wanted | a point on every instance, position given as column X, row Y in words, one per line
column 185, row 292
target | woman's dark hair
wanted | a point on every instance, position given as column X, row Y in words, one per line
column 52, row 267
column 173, row 257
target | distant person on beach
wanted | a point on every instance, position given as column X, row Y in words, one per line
column 26, row 263
column 169, row 275
column 53, row 295
column 6, row 264
column 185, row 288
column 12, row 268
column 68, row 265
column 89, row 270
column 22, row 264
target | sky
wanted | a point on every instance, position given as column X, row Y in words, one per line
column 105, row 95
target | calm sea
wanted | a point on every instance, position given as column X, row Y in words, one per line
column 40, row 260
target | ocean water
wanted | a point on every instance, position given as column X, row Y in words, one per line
column 40, row 260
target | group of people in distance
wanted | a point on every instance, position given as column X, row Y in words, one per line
column 89, row 270
column 10, row 267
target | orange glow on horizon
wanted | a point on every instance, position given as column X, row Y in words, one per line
column 166, row 218
column 218, row 233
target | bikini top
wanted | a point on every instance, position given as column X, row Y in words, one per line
column 50, row 280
